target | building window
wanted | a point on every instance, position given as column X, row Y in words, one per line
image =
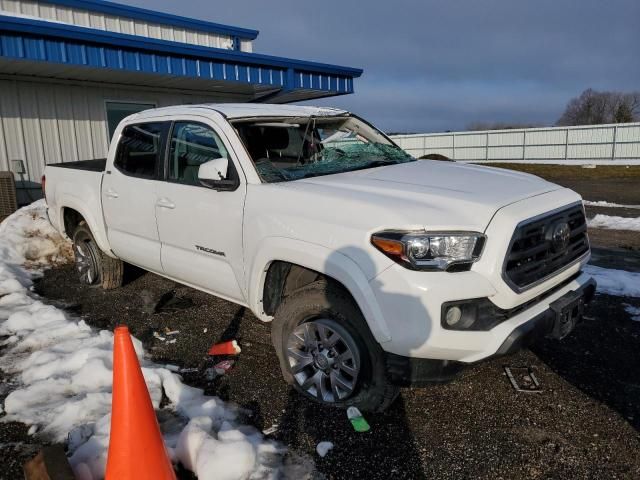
column 116, row 111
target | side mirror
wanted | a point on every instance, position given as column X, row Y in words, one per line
column 213, row 170
column 213, row 174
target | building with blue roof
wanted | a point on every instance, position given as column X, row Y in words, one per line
column 70, row 70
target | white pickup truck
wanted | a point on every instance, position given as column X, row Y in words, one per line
column 376, row 270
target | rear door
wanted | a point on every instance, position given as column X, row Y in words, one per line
column 200, row 227
column 129, row 193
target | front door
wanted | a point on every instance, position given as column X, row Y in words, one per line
column 129, row 192
column 200, row 228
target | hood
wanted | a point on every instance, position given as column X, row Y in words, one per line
column 427, row 193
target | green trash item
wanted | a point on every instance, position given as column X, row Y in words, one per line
column 357, row 420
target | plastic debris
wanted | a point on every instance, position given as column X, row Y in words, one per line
column 323, row 448
column 225, row 348
column 158, row 336
column 172, row 368
column 204, row 330
column 167, row 331
column 358, row 422
column 171, row 341
column 271, row 430
column 222, row 367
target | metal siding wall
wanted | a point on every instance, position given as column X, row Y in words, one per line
column 44, row 122
column 98, row 20
column 581, row 143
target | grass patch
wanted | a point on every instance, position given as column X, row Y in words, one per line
column 573, row 172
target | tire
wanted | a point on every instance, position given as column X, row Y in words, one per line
column 94, row 267
column 323, row 309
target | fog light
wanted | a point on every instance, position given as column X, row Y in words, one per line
column 453, row 316
column 476, row 314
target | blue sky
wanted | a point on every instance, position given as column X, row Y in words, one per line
column 441, row 65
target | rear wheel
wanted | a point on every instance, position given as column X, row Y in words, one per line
column 327, row 351
column 93, row 266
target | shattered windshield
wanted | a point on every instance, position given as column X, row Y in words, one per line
column 287, row 148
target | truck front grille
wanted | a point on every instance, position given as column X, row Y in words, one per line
column 543, row 246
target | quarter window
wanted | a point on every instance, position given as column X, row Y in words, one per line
column 192, row 144
column 140, row 149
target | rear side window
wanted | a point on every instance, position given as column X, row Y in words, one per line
column 140, row 149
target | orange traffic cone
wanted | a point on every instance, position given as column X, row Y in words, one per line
column 225, row 348
column 136, row 448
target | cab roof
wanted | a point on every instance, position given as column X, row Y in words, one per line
column 243, row 110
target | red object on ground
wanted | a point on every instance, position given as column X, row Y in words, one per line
column 225, row 348
column 136, row 448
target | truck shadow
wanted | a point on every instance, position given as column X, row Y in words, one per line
column 389, row 448
column 601, row 357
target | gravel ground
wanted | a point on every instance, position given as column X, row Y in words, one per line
column 585, row 423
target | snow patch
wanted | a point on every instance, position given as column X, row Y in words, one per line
column 64, row 371
column 603, row 203
column 614, row 222
column 633, row 311
column 615, row 282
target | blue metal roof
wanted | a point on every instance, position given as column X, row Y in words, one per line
column 42, row 41
column 117, row 9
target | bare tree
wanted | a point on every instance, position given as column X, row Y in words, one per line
column 593, row 107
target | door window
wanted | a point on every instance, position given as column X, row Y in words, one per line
column 192, row 144
column 140, row 149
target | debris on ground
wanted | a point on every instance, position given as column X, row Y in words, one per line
column 230, row 347
column 158, row 336
column 358, row 422
column 223, row 367
column 323, row 448
column 50, row 463
column 210, row 374
column 271, row 430
column 169, row 332
column 523, row 379
column 172, row 368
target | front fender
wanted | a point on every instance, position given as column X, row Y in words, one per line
column 323, row 260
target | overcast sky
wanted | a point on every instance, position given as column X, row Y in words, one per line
column 441, row 65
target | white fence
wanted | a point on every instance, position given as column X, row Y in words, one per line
column 619, row 143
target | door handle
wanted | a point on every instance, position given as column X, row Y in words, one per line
column 111, row 193
column 165, row 203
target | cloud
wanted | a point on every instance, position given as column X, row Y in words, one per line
column 436, row 65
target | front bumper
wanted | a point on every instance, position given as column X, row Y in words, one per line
column 557, row 321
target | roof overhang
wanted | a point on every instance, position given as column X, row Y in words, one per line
column 54, row 50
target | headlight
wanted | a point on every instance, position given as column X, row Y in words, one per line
column 451, row 251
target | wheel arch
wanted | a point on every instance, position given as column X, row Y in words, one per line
column 72, row 213
column 278, row 257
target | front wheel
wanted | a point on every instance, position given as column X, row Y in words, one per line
column 327, row 351
column 93, row 266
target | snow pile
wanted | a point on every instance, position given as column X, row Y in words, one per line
column 614, row 223
column 603, row 203
column 64, row 371
column 615, row 282
column 27, row 238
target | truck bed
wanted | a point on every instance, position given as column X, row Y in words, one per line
column 95, row 165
